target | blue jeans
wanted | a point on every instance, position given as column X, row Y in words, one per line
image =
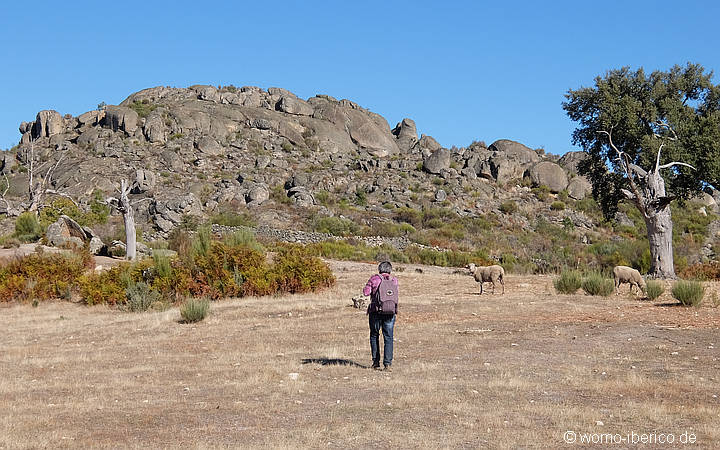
column 387, row 323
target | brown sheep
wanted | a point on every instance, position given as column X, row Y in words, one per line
column 488, row 274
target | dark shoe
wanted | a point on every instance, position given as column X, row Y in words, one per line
column 376, row 366
column 388, row 368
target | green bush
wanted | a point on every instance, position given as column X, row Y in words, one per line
column 689, row 293
column 557, row 206
column 336, row 226
column 508, row 207
column 568, row 282
column 594, row 283
column 243, row 238
column 391, row 229
column 28, row 228
column 194, row 310
column 232, row 219
column 98, row 214
column 541, row 192
column 140, row 297
column 360, row 197
column 143, row 108
column 654, row 289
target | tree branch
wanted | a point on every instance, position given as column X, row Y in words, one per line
column 626, row 166
column 676, row 163
column 61, row 194
column 136, row 202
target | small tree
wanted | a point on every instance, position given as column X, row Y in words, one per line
column 651, row 139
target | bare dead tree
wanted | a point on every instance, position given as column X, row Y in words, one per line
column 41, row 176
column 125, row 208
column 6, row 188
column 647, row 192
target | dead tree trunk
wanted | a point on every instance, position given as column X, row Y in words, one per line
column 125, row 207
column 647, row 192
column 129, row 220
column 659, row 228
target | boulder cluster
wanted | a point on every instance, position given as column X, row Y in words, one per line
column 192, row 152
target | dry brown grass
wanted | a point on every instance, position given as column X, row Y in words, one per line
column 499, row 371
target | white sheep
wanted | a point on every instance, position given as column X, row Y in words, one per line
column 491, row 274
column 625, row 274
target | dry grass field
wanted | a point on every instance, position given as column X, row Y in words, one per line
column 470, row 371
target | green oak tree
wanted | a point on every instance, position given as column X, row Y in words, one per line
column 651, row 139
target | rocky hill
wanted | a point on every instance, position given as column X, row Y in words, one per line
column 198, row 150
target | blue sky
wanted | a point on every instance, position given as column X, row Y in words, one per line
column 463, row 70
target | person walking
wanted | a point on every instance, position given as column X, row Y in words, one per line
column 382, row 310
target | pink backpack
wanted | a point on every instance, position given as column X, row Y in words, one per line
column 386, row 296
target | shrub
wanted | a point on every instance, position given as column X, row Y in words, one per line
column 568, row 282
column 294, row 271
column 28, row 228
column 336, row 226
column 42, row 276
column 194, row 310
column 541, row 192
column 654, row 289
column 391, row 229
column 595, row 283
column 704, row 271
column 360, row 197
column 243, row 238
column 143, row 108
column 557, row 206
column 323, row 198
column 140, row 297
column 508, row 207
column 689, row 293
column 108, row 287
column 232, row 219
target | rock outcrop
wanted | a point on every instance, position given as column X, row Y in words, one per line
column 549, row 174
column 192, row 152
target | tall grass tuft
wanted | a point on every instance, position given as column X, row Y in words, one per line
column 243, row 238
column 201, row 241
column 654, row 289
column 194, row 310
column 140, row 297
column 163, row 269
column 568, row 282
column 689, row 293
column 595, row 283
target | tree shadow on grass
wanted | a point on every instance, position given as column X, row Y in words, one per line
column 333, row 362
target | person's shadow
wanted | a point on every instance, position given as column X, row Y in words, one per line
column 333, row 362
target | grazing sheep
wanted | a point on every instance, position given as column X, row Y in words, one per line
column 484, row 274
column 625, row 274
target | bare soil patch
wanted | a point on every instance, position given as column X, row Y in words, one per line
column 470, row 371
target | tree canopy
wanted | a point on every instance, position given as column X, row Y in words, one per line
column 678, row 110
